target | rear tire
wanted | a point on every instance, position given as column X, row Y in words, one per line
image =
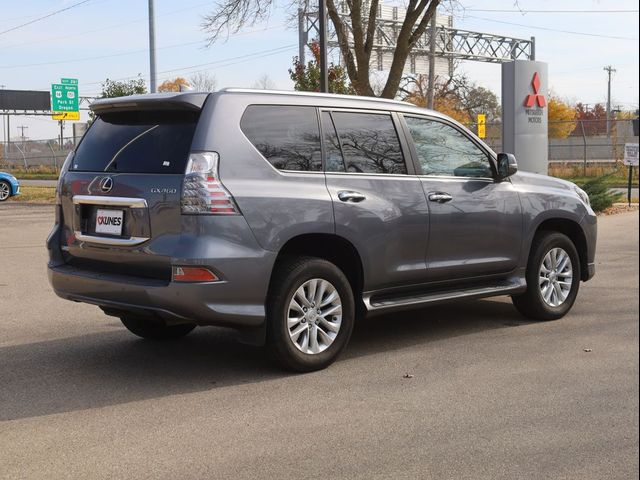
column 155, row 330
column 310, row 313
column 553, row 264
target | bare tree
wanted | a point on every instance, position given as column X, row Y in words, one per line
column 231, row 15
column 203, row 82
column 264, row 83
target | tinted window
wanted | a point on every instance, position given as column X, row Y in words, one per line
column 288, row 137
column 443, row 150
column 333, row 154
column 369, row 143
column 137, row 142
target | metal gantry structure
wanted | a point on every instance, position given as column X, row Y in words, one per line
column 450, row 43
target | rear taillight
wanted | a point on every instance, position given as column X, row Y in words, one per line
column 202, row 190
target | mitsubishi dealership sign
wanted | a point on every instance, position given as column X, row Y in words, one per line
column 524, row 114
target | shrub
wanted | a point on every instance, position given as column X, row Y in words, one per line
column 600, row 196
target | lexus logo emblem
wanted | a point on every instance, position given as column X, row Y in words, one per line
column 106, row 184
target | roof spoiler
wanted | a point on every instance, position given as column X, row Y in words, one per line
column 187, row 101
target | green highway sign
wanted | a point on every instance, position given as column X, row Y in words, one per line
column 64, row 96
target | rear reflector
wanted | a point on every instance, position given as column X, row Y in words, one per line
column 193, row 274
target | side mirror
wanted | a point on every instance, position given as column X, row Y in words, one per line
column 507, row 165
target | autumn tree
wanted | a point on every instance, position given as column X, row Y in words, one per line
column 456, row 97
column 307, row 77
column 356, row 37
column 561, row 118
column 593, row 120
column 173, row 85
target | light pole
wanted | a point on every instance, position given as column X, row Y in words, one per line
column 322, row 23
column 152, row 49
column 609, row 69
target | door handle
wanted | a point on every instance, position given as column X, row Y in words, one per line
column 440, row 197
column 349, row 196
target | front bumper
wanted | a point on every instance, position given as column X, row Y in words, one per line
column 591, row 271
column 171, row 302
column 589, row 226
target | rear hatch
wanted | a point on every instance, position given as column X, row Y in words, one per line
column 120, row 197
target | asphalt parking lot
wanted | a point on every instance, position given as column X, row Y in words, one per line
column 490, row 395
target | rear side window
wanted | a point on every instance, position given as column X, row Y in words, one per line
column 369, row 143
column 287, row 136
column 137, row 142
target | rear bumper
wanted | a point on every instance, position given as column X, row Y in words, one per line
column 231, row 252
column 199, row 303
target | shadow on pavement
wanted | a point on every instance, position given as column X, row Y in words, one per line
column 111, row 368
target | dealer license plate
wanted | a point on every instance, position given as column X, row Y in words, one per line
column 109, row 221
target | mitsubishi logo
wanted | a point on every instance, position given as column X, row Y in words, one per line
column 106, row 184
column 535, row 97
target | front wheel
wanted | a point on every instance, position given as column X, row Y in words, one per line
column 5, row 190
column 310, row 313
column 553, row 278
column 155, row 330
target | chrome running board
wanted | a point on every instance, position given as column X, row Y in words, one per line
column 376, row 303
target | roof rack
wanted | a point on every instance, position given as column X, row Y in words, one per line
column 316, row 94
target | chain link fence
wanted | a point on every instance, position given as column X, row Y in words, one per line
column 35, row 154
column 586, row 143
column 581, row 141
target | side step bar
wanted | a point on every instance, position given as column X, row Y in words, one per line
column 382, row 304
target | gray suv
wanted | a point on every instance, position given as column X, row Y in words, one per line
column 288, row 215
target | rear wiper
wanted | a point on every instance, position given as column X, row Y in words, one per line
column 112, row 161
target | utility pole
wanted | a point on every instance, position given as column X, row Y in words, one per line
column 303, row 35
column 61, row 123
column 432, row 62
column 322, row 23
column 609, row 69
column 152, row 49
column 4, row 122
column 22, row 129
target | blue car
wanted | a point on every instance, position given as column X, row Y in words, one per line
column 9, row 186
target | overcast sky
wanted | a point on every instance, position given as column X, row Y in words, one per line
column 109, row 39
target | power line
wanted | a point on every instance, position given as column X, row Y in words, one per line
column 224, row 63
column 547, row 11
column 110, row 27
column 130, row 52
column 553, row 29
column 45, row 16
column 99, row 57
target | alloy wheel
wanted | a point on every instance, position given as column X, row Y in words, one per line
column 555, row 277
column 314, row 316
column 4, row 191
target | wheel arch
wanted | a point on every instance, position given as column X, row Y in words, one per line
column 333, row 248
column 573, row 230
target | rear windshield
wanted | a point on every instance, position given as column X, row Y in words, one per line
column 137, row 142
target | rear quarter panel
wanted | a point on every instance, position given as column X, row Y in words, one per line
column 277, row 205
